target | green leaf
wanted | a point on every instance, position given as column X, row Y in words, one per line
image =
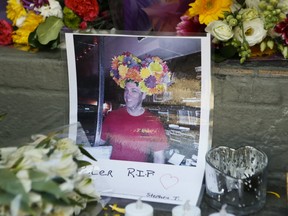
column 228, row 51
column 49, row 30
column 54, row 200
column 6, row 198
column 41, row 182
column 86, row 153
column 11, row 184
column 33, row 40
column 82, row 163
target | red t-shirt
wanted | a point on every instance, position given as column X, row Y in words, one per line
column 133, row 137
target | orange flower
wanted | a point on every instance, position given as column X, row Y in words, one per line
column 133, row 75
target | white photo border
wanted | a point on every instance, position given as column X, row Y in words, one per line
column 151, row 182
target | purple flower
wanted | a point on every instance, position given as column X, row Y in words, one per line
column 150, row 82
column 130, row 62
column 36, row 3
column 115, row 73
column 146, row 61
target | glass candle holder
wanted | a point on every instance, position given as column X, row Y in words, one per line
column 237, row 178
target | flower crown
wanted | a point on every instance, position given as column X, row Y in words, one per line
column 151, row 74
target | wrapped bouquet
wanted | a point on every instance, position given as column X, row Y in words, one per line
column 43, row 178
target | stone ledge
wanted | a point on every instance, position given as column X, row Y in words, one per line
column 272, row 68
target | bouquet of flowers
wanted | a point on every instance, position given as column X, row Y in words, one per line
column 37, row 23
column 42, row 178
column 244, row 27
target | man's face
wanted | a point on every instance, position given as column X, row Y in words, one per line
column 133, row 96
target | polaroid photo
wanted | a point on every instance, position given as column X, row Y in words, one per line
column 145, row 104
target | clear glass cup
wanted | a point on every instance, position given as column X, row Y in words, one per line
column 237, row 178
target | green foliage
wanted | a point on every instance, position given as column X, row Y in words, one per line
column 86, row 153
column 11, row 185
column 49, row 30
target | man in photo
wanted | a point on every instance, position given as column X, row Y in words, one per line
column 134, row 133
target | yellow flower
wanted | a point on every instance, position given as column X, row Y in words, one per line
column 145, row 72
column 122, row 83
column 209, row 10
column 155, row 67
column 143, row 87
column 15, row 10
column 20, row 36
column 160, row 88
column 122, row 70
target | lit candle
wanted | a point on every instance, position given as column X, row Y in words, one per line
column 138, row 209
column 186, row 210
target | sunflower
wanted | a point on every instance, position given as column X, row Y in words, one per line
column 209, row 10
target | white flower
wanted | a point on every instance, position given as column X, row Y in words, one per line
column 53, row 9
column 253, row 30
column 47, row 207
column 20, row 21
column 35, row 198
column 248, row 14
column 17, row 155
column 235, row 6
column 86, row 185
column 15, row 205
column 283, row 4
column 23, row 176
column 29, row 157
column 63, row 210
column 37, row 139
column 67, row 186
column 220, row 30
column 55, row 158
column 252, row 3
column 6, row 153
column 58, row 165
column 68, row 146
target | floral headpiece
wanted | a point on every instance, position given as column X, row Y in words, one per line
column 151, row 74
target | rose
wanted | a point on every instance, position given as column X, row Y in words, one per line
column 88, row 10
column 254, row 32
column 5, row 32
column 220, row 30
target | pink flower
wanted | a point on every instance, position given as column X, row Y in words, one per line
column 5, row 33
column 88, row 10
column 187, row 25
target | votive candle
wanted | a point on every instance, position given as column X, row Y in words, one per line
column 186, row 210
column 139, row 209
